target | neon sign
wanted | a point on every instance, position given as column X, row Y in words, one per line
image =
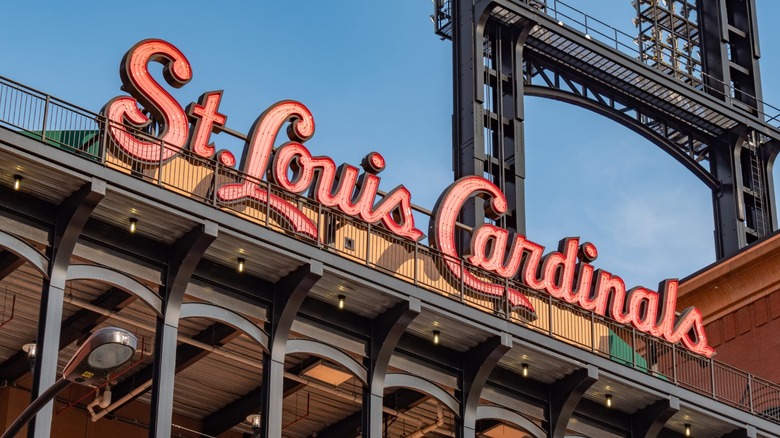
column 566, row 274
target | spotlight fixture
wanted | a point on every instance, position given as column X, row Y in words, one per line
column 342, row 302
column 241, row 262
column 106, row 350
column 687, row 429
column 17, row 182
column 30, row 349
column 254, row 420
column 436, row 337
column 608, row 400
column 525, row 369
column 133, row 224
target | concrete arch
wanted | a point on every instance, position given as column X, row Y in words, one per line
column 25, row 250
column 117, row 279
column 331, row 353
column 233, row 319
column 499, row 413
column 395, row 380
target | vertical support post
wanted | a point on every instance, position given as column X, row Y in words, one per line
column 649, row 421
column 712, row 377
column 488, row 132
column 72, row 215
column 160, row 166
column 182, row 261
column 565, row 394
column 289, row 294
column 214, row 187
column 730, row 54
column 45, row 118
column 477, row 365
column 368, row 244
column 729, row 227
column 386, row 331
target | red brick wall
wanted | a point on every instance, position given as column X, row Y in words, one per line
column 749, row 338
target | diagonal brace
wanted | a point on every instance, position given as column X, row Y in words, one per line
column 478, row 364
column 650, row 420
column 288, row 297
column 742, row 432
column 386, row 331
column 565, row 394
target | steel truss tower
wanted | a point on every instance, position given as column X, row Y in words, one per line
column 692, row 88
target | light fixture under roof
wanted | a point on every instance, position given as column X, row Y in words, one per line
column 608, row 400
column 687, row 430
column 325, row 372
column 436, row 337
column 254, row 420
column 133, row 224
column 525, row 369
column 241, row 263
column 342, row 302
column 17, row 182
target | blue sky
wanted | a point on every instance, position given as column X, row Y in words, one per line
column 376, row 78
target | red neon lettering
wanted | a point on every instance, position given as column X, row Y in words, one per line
column 559, row 269
column 352, row 196
column 226, row 158
column 258, row 153
column 163, row 108
column 531, row 265
column 207, row 119
column 555, row 273
column 295, row 170
column 643, row 308
column 691, row 322
column 610, row 296
column 444, row 222
column 566, row 274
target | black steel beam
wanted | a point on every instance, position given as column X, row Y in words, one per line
column 442, row 356
column 140, row 247
column 183, row 259
column 72, row 215
column 27, row 208
column 478, row 363
column 289, row 294
column 601, row 417
column 344, row 321
column 386, row 331
column 743, row 432
column 245, row 287
column 565, row 394
column 526, row 388
column 650, row 420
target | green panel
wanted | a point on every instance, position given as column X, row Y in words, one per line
column 84, row 142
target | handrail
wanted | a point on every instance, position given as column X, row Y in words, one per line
column 580, row 21
column 594, row 29
column 67, row 127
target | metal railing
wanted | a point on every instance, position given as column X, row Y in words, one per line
column 594, row 29
column 78, row 131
